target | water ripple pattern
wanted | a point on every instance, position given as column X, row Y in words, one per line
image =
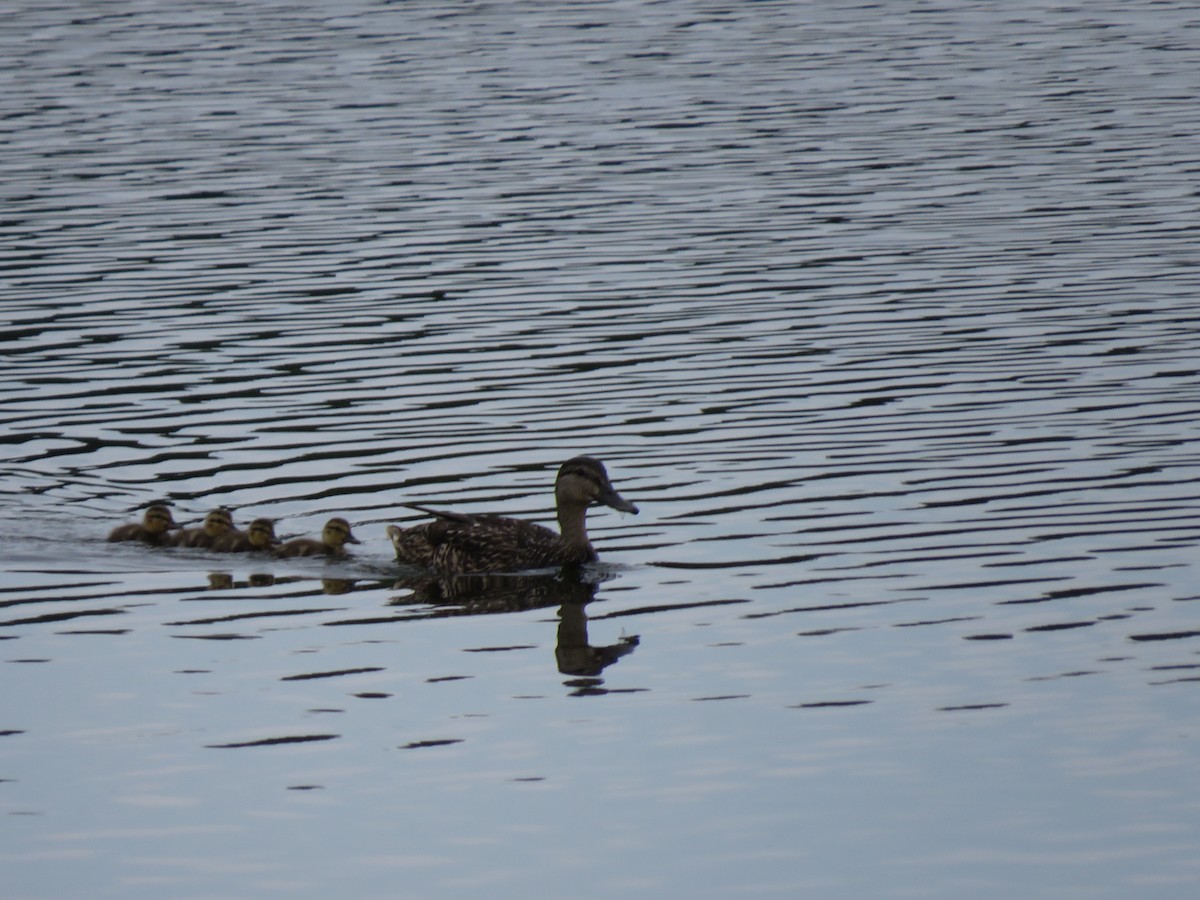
column 884, row 315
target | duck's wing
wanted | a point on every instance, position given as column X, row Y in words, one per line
column 428, row 544
column 443, row 514
column 490, row 544
column 302, row 547
column 233, row 542
column 130, row 532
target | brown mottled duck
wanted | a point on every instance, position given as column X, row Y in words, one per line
column 154, row 528
column 217, row 524
column 333, row 540
column 260, row 535
column 457, row 544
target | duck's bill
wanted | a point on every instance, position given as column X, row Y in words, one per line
column 616, row 501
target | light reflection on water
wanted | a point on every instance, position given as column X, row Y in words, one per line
column 885, row 322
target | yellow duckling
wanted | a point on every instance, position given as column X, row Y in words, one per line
column 217, row 524
column 259, row 536
column 153, row 529
column 334, row 538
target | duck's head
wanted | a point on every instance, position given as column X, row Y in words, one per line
column 583, row 481
column 217, row 523
column 261, row 534
column 157, row 520
column 337, row 533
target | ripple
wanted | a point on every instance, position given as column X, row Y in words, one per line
column 885, row 322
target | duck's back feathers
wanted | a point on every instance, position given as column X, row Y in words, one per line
column 304, row 547
column 484, row 543
column 192, row 537
column 154, row 528
column 259, row 536
column 334, row 538
column 131, row 532
column 234, row 542
column 135, row 531
column 217, row 524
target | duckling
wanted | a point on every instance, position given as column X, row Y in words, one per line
column 259, row 536
column 334, row 538
column 153, row 529
column 456, row 544
column 217, row 524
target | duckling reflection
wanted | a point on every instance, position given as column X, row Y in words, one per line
column 218, row 581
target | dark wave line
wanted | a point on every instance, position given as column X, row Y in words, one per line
column 824, row 607
column 1165, row 636
column 336, row 673
column 275, row 741
column 252, row 615
column 831, row 704
column 1071, row 593
column 62, row 617
column 665, row 607
column 737, row 564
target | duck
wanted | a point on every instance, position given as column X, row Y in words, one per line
column 458, row 544
column 154, row 528
column 260, row 535
column 217, row 524
column 334, row 537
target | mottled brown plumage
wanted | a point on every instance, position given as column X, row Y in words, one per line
column 260, row 535
column 334, row 538
column 457, row 544
column 217, row 524
column 154, row 528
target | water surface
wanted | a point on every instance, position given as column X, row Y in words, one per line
column 884, row 315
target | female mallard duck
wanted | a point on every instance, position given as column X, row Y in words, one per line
column 259, row 536
column 456, row 544
column 334, row 538
column 153, row 529
column 217, row 524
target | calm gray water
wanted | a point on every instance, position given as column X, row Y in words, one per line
column 884, row 314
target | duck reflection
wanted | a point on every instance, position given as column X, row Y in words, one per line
column 576, row 656
column 467, row 595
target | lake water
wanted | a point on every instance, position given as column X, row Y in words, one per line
column 885, row 315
